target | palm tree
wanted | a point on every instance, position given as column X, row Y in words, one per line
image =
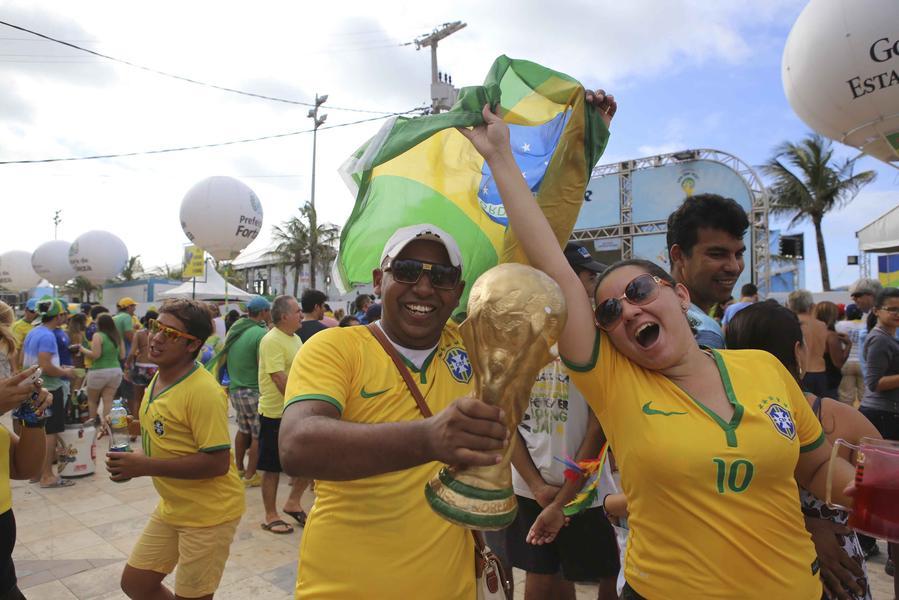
column 292, row 239
column 81, row 287
column 226, row 270
column 322, row 241
column 300, row 239
column 132, row 268
column 328, row 236
column 809, row 182
column 168, row 271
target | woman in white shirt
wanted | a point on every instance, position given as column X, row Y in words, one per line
column 852, row 386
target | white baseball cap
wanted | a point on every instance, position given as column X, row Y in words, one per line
column 422, row 231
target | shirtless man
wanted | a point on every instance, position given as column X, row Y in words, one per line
column 814, row 333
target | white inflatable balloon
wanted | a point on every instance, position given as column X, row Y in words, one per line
column 221, row 215
column 841, row 73
column 98, row 256
column 51, row 261
column 16, row 274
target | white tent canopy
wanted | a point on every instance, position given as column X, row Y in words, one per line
column 211, row 289
column 881, row 235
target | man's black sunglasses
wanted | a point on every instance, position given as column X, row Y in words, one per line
column 408, row 271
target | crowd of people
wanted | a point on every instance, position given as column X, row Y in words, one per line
column 720, row 415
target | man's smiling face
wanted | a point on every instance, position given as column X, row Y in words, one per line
column 414, row 314
column 712, row 267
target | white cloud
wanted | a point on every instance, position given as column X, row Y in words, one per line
column 86, row 105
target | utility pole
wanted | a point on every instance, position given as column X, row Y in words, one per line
column 313, row 218
column 57, row 219
column 443, row 94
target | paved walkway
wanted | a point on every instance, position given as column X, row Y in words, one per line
column 73, row 543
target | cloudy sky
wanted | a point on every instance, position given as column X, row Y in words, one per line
column 687, row 74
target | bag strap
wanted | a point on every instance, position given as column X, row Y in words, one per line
column 379, row 335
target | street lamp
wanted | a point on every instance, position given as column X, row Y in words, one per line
column 313, row 220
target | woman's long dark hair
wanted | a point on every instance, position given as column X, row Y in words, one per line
column 106, row 325
column 770, row 327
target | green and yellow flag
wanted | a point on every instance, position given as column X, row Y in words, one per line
column 421, row 170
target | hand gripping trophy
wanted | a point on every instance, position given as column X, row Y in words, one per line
column 515, row 316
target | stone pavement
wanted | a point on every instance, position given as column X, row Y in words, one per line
column 73, row 543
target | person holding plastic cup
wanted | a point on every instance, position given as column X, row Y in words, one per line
column 881, row 358
column 776, row 329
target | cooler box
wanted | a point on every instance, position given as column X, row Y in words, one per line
column 77, row 450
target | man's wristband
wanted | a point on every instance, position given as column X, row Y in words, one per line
column 26, row 424
column 604, row 504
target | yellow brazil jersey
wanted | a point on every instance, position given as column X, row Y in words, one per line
column 276, row 353
column 191, row 416
column 20, row 331
column 377, row 537
column 5, row 489
column 713, row 506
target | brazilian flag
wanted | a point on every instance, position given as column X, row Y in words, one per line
column 422, row 170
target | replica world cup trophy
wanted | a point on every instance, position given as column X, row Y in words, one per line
column 515, row 316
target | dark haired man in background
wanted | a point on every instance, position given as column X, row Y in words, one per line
column 705, row 246
column 312, row 303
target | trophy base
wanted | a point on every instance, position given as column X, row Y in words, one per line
column 469, row 506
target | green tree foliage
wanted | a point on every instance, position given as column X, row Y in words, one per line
column 808, row 182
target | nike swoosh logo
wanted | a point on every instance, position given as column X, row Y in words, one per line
column 365, row 394
column 651, row 411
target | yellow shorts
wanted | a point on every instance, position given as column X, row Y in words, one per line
column 199, row 552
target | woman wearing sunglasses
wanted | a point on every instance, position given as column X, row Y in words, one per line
column 710, row 444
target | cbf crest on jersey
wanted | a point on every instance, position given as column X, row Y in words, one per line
column 782, row 420
column 456, row 360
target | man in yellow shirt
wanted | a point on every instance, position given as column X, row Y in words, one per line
column 186, row 450
column 21, row 327
column 276, row 352
column 351, row 423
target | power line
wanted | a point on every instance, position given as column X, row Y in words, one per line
column 200, row 146
column 185, row 79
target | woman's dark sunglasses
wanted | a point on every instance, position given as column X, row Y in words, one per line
column 641, row 290
column 408, row 271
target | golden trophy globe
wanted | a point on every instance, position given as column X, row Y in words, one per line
column 515, row 316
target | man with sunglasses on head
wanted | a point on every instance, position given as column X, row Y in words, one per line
column 705, row 247
column 351, row 423
column 186, row 450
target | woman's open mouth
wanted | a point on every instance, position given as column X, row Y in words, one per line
column 647, row 334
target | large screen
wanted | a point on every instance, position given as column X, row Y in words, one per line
column 655, row 193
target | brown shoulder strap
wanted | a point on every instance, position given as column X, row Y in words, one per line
column 379, row 335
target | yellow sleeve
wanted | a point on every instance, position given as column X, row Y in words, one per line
column 323, row 369
column 808, row 428
column 271, row 358
column 593, row 379
column 207, row 413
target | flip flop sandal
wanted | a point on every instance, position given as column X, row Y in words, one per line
column 59, row 483
column 278, row 523
column 299, row 516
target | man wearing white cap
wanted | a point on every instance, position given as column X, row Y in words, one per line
column 351, row 423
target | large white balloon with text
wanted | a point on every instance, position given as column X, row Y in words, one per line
column 841, row 73
column 222, row 216
column 51, row 261
column 98, row 256
column 16, row 273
